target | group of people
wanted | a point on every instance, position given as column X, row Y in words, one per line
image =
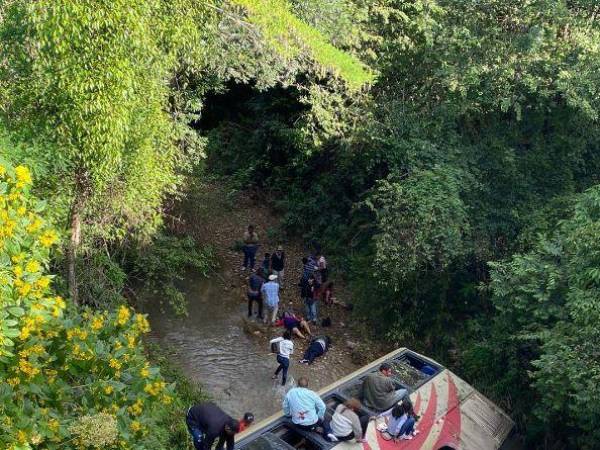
column 266, row 281
column 349, row 420
column 306, row 410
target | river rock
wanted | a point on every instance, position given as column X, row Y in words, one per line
column 351, row 344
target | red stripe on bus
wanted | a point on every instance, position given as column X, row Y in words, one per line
column 425, row 424
column 450, row 434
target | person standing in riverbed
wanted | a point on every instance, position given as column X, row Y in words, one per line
column 255, row 283
column 277, row 264
column 250, row 247
column 285, row 347
column 270, row 292
column 308, row 290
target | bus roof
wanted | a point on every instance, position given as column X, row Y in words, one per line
column 452, row 413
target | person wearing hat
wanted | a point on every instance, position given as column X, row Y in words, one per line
column 379, row 392
column 206, row 422
column 270, row 292
column 246, row 421
column 285, row 347
column 278, row 264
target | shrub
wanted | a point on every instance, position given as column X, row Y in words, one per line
column 62, row 370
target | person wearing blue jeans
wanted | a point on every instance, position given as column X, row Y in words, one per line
column 285, row 347
column 307, row 292
column 317, row 347
column 250, row 247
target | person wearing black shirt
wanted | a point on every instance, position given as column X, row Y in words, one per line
column 255, row 282
column 206, row 422
column 278, row 263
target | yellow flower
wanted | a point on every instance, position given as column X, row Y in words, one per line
column 154, row 388
column 167, row 399
column 33, row 266
column 18, row 271
column 43, row 283
column 142, row 323
column 24, row 289
column 22, row 437
column 23, row 174
column 35, row 225
column 114, row 364
column 2, row 170
column 137, row 408
column 97, row 323
column 130, row 341
column 21, row 210
column 108, row 390
column 18, row 258
column 54, row 425
column 144, row 372
column 13, row 381
column 48, row 238
column 123, row 315
column 135, row 426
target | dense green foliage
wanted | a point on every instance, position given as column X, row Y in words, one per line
column 446, row 154
column 478, row 136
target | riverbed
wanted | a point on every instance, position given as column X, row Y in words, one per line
column 211, row 347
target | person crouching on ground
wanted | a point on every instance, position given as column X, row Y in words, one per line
column 206, row 422
column 270, row 292
column 285, row 347
column 346, row 424
column 304, row 407
column 295, row 325
column 317, row 347
column 379, row 391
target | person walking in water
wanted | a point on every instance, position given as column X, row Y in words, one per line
column 305, row 407
column 278, row 264
column 270, row 292
column 250, row 247
column 284, row 347
column 255, row 283
column 206, row 422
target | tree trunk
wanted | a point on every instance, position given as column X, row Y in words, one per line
column 74, row 247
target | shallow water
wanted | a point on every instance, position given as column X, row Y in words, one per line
column 211, row 348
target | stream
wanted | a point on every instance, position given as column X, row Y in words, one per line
column 211, row 347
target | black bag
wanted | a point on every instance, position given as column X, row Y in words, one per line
column 326, row 322
column 275, row 347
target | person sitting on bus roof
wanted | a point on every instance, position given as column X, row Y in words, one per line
column 317, row 347
column 379, row 391
column 246, row 421
column 304, row 406
column 346, row 424
column 401, row 422
column 206, row 421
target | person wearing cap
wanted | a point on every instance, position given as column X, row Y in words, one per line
column 285, row 347
column 270, row 292
column 278, row 264
column 246, row 421
column 207, row 422
column 379, row 391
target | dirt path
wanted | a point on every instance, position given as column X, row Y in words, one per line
column 214, row 217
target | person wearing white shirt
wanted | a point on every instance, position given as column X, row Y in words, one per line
column 285, row 349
